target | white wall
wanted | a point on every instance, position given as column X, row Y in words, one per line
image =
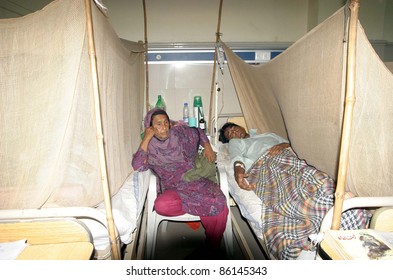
column 196, row 21
column 241, row 21
column 388, row 23
column 179, row 83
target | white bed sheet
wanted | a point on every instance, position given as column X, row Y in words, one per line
column 249, row 204
column 127, row 207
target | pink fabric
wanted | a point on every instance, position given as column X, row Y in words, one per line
column 169, row 204
column 215, row 227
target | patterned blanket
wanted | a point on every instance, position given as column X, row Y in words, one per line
column 296, row 197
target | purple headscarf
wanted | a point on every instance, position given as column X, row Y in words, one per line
column 149, row 115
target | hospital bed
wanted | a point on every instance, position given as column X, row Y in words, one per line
column 127, row 208
column 258, row 215
column 251, row 208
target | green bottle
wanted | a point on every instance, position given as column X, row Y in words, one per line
column 161, row 103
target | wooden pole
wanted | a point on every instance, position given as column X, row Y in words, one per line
column 214, row 69
column 99, row 136
column 350, row 100
column 146, row 57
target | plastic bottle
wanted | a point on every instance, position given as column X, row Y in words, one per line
column 161, row 103
column 198, row 109
column 185, row 112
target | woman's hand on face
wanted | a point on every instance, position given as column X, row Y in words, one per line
column 149, row 133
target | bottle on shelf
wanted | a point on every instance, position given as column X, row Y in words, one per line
column 198, row 112
column 198, row 108
column 160, row 103
column 192, row 122
column 202, row 124
column 185, row 113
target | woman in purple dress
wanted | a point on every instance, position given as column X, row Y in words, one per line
column 170, row 151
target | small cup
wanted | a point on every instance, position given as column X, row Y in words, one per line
column 192, row 122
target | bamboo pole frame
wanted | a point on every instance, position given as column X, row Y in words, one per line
column 146, row 56
column 350, row 100
column 214, row 69
column 99, row 134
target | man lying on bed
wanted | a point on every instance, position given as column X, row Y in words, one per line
column 245, row 149
column 295, row 195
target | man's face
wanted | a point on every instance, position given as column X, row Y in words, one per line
column 235, row 132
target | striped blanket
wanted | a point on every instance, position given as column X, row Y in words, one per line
column 296, row 197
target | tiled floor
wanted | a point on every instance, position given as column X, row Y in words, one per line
column 181, row 242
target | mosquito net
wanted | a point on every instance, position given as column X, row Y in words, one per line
column 48, row 147
column 300, row 95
